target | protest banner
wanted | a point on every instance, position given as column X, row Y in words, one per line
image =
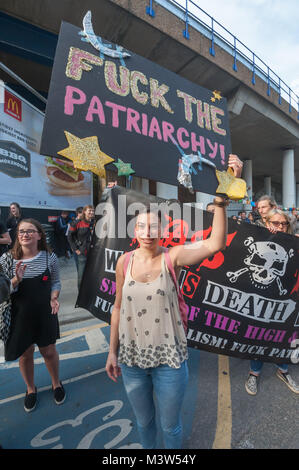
column 141, row 113
column 242, row 302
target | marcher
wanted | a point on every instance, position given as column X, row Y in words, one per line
column 36, row 286
column 79, row 238
column 79, row 215
column 242, row 216
column 148, row 344
column 264, row 205
column 61, row 243
column 251, row 217
column 276, row 221
column 14, row 217
column 5, row 239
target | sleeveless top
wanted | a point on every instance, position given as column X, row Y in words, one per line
column 151, row 332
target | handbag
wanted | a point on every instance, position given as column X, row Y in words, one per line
column 182, row 304
column 5, row 305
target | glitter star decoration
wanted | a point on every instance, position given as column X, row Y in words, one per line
column 124, row 169
column 234, row 188
column 217, row 96
column 86, row 154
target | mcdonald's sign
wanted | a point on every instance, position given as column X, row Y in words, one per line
column 12, row 105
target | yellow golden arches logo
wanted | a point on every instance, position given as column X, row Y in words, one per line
column 13, row 106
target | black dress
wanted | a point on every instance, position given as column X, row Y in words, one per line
column 31, row 319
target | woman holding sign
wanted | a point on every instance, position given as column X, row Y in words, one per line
column 275, row 221
column 148, row 344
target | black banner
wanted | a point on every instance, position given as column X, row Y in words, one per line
column 141, row 113
column 242, row 302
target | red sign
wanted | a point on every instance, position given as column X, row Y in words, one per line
column 52, row 218
column 12, row 105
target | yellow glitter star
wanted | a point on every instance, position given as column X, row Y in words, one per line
column 86, row 154
column 217, row 96
column 234, row 188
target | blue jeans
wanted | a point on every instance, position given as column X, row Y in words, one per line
column 169, row 385
column 256, row 366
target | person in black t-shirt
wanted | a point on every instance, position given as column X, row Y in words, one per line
column 5, row 239
column 14, row 218
column 79, row 238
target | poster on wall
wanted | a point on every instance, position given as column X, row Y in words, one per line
column 141, row 113
column 27, row 177
column 242, row 302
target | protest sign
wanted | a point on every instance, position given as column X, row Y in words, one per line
column 141, row 113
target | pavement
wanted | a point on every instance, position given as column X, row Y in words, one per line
column 217, row 412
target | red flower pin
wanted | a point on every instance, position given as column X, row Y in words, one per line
column 45, row 278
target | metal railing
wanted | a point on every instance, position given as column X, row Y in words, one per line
column 192, row 15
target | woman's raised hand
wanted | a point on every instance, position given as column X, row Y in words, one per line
column 20, row 270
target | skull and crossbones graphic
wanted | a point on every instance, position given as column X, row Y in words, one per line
column 266, row 263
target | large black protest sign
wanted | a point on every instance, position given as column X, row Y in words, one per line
column 140, row 112
column 242, row 302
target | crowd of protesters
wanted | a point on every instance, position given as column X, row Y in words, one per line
column 33, row 270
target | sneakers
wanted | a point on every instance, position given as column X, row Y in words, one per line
column 251, row 384
column 30, row 401
column 59, row 394
column 287, row 379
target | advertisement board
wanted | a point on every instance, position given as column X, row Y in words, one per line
column 26, row 177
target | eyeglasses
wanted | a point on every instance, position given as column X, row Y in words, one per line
column 30, row 232
column 277, row 224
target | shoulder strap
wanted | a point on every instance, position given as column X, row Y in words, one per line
column 170, row 266
column 126, row 261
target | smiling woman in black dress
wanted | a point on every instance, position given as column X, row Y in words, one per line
column 36, row 286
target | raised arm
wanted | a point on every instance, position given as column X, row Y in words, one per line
column 194, row 253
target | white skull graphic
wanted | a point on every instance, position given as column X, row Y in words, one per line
column 265, row 263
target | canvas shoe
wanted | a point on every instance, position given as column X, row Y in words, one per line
column 30, row 401
column 251, row 384
column 287, row 379
column 59, row 394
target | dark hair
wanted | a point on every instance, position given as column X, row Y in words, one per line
column 79, row 210
column 17, row 206
column 85, row 209
column 17, row 251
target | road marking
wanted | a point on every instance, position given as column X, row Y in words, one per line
column 94, row 337
column 223, row 433
column 86, row 328
column 49, row 387
column 76, row 332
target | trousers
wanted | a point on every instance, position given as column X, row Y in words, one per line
column 168, row 385
column 256, row 366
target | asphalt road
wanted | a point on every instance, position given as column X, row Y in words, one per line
column 217, row 411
